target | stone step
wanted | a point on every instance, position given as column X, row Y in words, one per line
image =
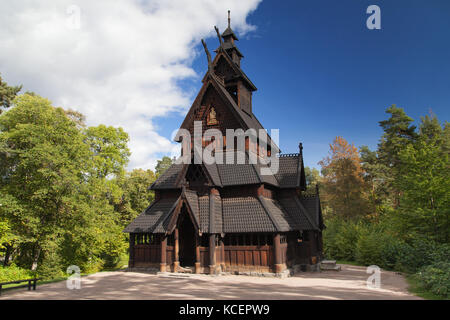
column 328, row 262
column 173, row 275
column 185, row 269
column 330, row 266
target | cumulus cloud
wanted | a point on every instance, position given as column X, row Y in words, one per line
column 117, row 62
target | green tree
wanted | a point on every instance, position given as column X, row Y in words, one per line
column 43, row 160
column 162, row 165
column 424, row 183
column 7, row 94
column 109, row 148
column 398, row 133
column 312, row 179
column 136, row 195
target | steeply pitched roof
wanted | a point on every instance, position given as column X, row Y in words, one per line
column 154, row 219
column 290, row 170
column 231, row 174
column 229, row 32
column 170, row 178
column 313, row 209
column 245, row 214
column 299, row 217
column 215, row 214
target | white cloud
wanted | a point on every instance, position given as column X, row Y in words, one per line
column 121, row 67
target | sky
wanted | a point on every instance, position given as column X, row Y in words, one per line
column 320, row 72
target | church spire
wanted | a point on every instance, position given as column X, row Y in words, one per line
column 229, row 38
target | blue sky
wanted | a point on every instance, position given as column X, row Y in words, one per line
column 321, row 73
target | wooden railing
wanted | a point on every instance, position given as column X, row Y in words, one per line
column 31, row 284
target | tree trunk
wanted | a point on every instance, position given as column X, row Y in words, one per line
column 7, row 255
column 37, row 253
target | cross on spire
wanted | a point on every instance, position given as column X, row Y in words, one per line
column 229, row 20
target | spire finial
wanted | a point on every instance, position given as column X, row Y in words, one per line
column 208, row 56
column 229, row 19
column 218, row 35
column 300, row 148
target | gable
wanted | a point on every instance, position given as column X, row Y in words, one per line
column 209, row 99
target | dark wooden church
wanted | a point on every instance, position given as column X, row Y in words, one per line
column 211, row 218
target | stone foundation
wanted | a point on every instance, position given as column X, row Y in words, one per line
column 305, row 268
column 143, row 269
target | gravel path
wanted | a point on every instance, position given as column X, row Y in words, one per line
column 350, row 283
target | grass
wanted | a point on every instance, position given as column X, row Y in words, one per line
column 415, row 288
column 123, row 263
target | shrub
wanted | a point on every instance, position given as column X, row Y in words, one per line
column 12, row 273
column 376, row 247
column 340, row 238
column 419, row 253
column 436, row 278
column 390, row 249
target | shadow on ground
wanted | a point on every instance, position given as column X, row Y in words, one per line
column 350, row 283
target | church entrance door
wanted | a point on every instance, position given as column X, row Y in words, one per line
column 186, row 240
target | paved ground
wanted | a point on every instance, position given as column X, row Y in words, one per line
column 350, row 283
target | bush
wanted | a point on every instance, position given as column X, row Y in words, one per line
column 368, row 249
column 419, row 253
column 340, row 239
column 13, row 273
column 436, row 278
column 376, row 247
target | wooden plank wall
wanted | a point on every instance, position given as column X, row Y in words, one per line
column 249, row 256
column 147, row 253
column 204, row 256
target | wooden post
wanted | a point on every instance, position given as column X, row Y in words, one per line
column 163, row 264
column 176, row 263
column 212, row 253
column 197, row 254
column 277, row 253
column 131, row 259
column 222, row 247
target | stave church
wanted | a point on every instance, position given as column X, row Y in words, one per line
column 229, row 217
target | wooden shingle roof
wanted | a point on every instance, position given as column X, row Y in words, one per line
column 225, row 175
column 237, row 214
column 155, row 218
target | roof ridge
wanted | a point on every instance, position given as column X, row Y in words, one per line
column 169, row 213
column 196, row 219
column 288, row 155
column 297, row 200
column 272, row 218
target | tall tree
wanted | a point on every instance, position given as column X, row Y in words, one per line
column 109, row 148
column 162, row 165
column 136, row 195
column 43, row 161
column 424, row 182
column 398, row 133
column 344, row 186
column 7, row 94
